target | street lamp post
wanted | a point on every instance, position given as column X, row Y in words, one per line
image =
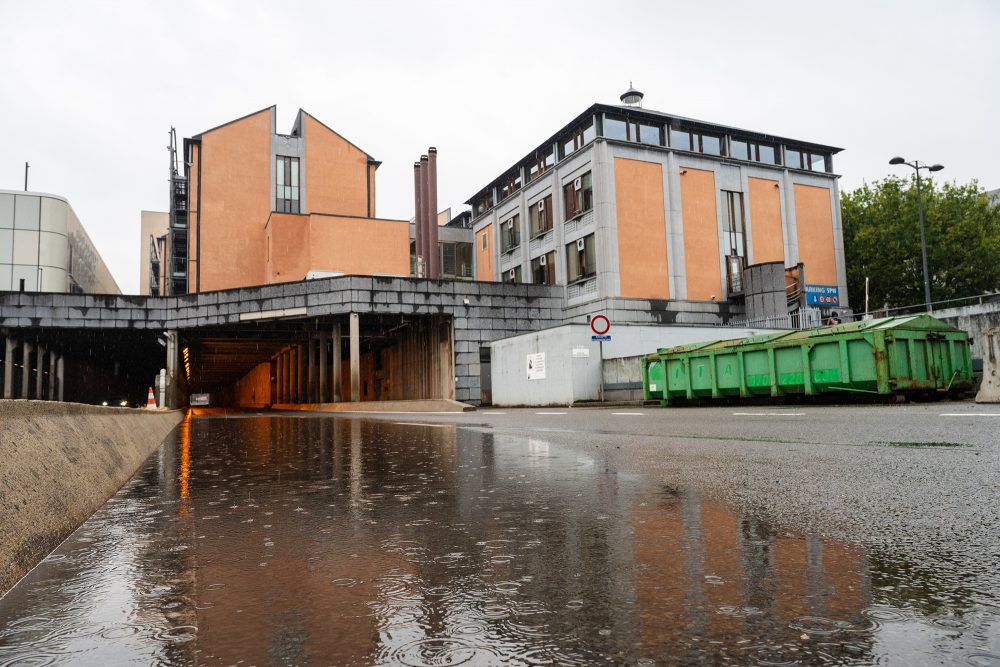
column 920, row 213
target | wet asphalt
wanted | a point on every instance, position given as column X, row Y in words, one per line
column 794, row 535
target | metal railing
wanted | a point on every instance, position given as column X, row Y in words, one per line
column 803, row 318
column 977, row 300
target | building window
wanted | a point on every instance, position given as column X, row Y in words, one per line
column 482, row 203
column 542, row 162
column 633, row 130
column 615, row 128
column 541, row 216
column 810, row 161
column 695, row 142
column 510, row 234
column 680, row 139
column 735, row 240
column 753, row 151
column 463, row 259
column 767, row 153
column 580, row 260
column 543, row 269
column 456, row 259
column 513, row 276
column 649, row 134
column 486, row 239
column 578, row 138
column 710, row 145
column 739, row 149
column 510, row 184
column 578, row 196
column 793, row 158
column 287, row 195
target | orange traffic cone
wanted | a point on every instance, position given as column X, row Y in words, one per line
column 150, row 401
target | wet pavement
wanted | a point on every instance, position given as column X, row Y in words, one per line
column 333, row 540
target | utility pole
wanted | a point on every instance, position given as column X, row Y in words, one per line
column 26, row 165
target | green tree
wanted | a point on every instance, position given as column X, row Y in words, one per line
column 882, row 242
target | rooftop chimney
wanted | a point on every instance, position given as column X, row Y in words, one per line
column 418, row 218
column 425, row 219
column 432, row 215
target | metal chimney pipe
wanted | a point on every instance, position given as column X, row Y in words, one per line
column 424, row 218
column 418, row 216
column 432, row 208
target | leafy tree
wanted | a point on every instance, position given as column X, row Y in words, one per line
column 882, row 241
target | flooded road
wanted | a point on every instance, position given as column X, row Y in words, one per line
column 318, row 540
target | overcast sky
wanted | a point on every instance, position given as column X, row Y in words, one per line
column 90, row 89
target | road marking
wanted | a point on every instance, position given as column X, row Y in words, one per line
column 969, row 414
column 550, row 413
column 630, row 414
column 494, row 412
column 768, row 414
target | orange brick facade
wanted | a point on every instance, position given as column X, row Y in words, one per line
column 237, row 236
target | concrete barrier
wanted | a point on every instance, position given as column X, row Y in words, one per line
column 989, row 390
column 60, row 463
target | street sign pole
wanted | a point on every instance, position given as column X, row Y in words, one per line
column 600, row 325
column 600, row 365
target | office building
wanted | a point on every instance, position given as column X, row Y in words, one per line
column 625, row 203
column 44, row 248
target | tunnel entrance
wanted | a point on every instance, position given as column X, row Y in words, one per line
column 348, row 358
column 94, row 365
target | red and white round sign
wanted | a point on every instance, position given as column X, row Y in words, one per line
column 600, row 325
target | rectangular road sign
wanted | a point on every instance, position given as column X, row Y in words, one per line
column 822, row 295
column 605, row 338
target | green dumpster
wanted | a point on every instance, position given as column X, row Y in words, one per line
column 653, row 378
column 908, row 354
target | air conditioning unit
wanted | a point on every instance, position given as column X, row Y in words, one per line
column 541, row 206
column 578, row 184
column 580, row 244
column 542, row 261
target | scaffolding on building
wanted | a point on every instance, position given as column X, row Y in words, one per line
column 177, row 276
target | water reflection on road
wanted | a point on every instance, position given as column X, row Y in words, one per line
column 319, row 540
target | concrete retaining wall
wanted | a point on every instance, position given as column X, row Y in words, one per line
column 976, row 320
column 62, row 461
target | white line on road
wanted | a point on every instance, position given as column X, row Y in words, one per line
column 969, row 414
column 631, row 414
column 494, row 412
column 550, row 413
column 768, row 414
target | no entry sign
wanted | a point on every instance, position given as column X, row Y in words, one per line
column 600, row 325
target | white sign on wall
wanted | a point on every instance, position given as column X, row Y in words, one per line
column 581, row 352
column 536, row 366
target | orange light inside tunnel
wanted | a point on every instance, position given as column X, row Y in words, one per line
column 184, row 470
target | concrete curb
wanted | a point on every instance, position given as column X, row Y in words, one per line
column 61, row 462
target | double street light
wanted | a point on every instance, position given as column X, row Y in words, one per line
column 920, row 212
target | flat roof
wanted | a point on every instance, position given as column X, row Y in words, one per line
column 671, row 120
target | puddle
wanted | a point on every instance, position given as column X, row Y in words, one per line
column 352, row 542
